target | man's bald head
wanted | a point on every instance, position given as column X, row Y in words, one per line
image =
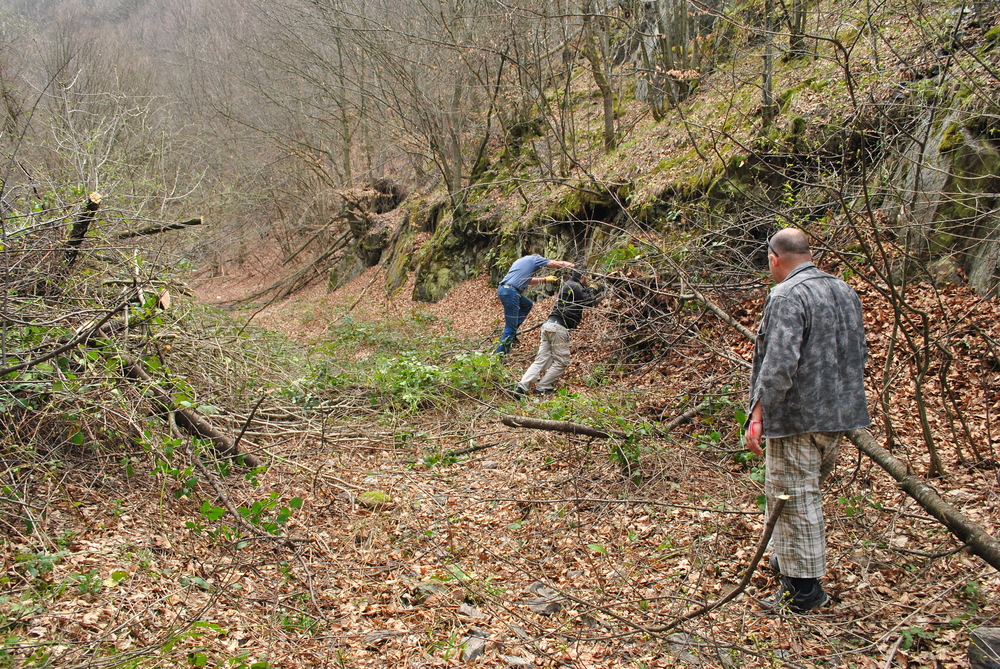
column 791, row 241
column 789, row 248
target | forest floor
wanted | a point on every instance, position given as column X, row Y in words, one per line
column 553, row 549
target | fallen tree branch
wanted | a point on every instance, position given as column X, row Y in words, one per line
column 556, row 426
column 684, row 417
column 979, row 541
column 157, row 229
column 186, row 418
column 744, row 582
column 715, row 309
column 466, row 451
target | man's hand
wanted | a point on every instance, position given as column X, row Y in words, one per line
column 755, row 431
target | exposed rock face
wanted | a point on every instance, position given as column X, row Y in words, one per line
column 949, row 193
column 375, row 220
column 455, row 253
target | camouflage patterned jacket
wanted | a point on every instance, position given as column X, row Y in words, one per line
column 809, row 356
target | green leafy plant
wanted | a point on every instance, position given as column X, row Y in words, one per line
column 269, row 514
column 39, row 565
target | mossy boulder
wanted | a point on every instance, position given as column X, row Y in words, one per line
column 374, row 499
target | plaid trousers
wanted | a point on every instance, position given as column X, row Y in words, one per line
column 796, row 466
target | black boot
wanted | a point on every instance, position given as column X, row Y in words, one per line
column 800, row 595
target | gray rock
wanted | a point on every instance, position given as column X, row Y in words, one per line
column 944, row 272
column 490, row 464
column 519, row 632
column 544, row 606
column 514, row 661
column 540, row 589
column 479, row 632
column 423, row 591
column 378, row 636
column 470, row 611
column 679, row 644
column 474, row 648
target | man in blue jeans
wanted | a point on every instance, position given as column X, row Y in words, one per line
column 510, row 291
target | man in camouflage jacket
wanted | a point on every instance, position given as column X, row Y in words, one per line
column 806, row 390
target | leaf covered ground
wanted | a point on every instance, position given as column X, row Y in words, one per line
column 555, row 550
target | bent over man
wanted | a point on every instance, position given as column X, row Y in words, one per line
column 511, row 293
column 806, row 390
column 553, row 352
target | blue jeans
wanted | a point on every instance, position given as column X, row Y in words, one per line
column 515, row 309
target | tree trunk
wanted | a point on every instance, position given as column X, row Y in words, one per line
column 80, row 227
column 767, row 110
column 599, row 59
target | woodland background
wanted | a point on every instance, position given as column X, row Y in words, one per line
column 249, row 251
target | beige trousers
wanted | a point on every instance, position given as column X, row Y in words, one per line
column 552, row 359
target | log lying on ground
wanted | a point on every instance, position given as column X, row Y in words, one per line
column 968, row 532
column 556, row 426
column 157, row 229
column 984, row 648
column 186, row 419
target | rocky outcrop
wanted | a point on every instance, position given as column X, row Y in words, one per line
column 947, row 187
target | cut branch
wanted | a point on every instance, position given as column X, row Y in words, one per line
column 979, row 541
column 186, row 418
column 157, row 229
column 556, row 426
column 80, row 227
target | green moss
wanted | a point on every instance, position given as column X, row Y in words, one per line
column 952, row 139
column 374, row 499
column 992, row 35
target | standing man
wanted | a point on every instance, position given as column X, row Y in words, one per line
column 553, row 352
column 510, row 291
column 806, row 390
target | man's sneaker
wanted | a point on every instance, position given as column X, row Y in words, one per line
column 543, row 391
column 520, row 391
column 802, row 599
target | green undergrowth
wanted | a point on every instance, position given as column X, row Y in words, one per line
column 404, row 365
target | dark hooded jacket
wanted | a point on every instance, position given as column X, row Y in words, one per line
column 573, row 297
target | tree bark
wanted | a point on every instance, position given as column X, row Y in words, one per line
column 980, row 542
column 80, row 227
column 555, row 426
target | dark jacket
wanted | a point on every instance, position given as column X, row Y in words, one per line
column 809, row 356
column 573, row 297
